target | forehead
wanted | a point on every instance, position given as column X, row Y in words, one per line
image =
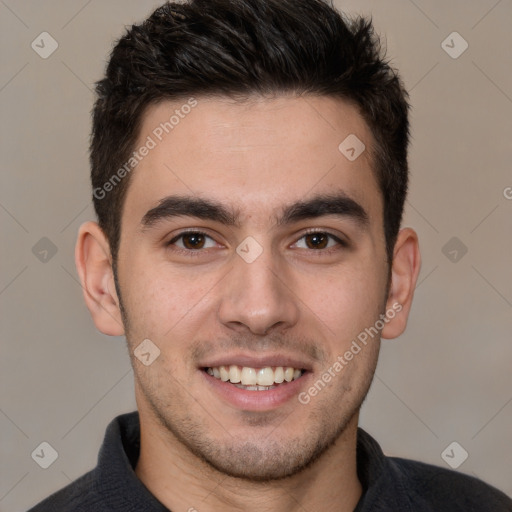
column 256, row 155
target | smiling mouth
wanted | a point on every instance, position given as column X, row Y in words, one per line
column 255, row 379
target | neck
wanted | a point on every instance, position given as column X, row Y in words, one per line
column 182, row 481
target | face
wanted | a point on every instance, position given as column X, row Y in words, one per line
column 253, row 250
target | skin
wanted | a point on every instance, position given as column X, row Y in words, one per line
column 295, row 299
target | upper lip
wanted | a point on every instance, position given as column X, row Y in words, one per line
column 257, row 361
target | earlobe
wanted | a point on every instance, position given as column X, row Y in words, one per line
column 404, row 275
column 93, row 263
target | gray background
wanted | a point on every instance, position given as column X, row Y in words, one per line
column 448, row 378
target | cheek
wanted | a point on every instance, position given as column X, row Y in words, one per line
column 160, row 300
column 346, row 301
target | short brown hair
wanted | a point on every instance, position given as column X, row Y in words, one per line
column 239, row 48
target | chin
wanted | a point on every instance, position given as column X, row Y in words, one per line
column 275, row 461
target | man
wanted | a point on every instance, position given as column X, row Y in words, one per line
column 249, row 170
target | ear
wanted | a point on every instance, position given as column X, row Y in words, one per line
column 404, row 274
column 94, row 266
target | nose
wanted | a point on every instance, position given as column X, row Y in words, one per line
column 258, row 296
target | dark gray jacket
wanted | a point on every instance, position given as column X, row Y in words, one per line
column 390, row 484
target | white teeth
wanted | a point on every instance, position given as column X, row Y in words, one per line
column 254, row 388
column 224, row 373
column 235, row 374
column 265, row 377
column 248, row 377
column 252, row 378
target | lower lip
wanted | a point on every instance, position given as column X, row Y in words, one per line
column 256, row 400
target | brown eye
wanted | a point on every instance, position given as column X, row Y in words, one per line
column 321, row 242
column 192, row 240
column 317, row 240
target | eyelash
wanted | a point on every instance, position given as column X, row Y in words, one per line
column 194, row 253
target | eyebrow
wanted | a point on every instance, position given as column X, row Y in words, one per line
column 338, row 204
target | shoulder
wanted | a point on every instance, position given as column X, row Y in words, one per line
column 78, row 496
column 445, row 489
column 395, row 483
